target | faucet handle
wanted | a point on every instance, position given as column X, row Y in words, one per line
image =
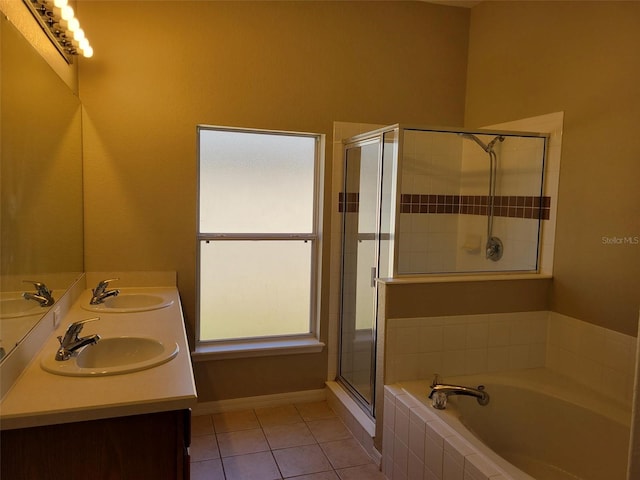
column 74, row 329
column 80, row 323
column 436, row 380
column 102, row 285
column 39, row 286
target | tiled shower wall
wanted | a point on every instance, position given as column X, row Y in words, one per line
column 517, row 181
column 442, row 177
column 431, row 163
column 551, row 124
column 416, row 348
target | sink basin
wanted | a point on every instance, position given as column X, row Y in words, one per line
column 113, row 356
column 19, row 307
column 129, row 303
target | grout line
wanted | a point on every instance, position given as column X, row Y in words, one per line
column 270, row 449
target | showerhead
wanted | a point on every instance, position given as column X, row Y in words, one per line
column 487, row 148
column 499, row 138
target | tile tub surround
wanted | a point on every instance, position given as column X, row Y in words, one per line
column 416, row 348
column 419, row 445
column 444, row 447
column 592, row 355
column 464, row 344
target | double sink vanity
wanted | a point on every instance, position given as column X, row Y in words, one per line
column 109, row 388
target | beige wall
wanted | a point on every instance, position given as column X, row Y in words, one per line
column 466, row 298
column 160, row 68
column 531, row 58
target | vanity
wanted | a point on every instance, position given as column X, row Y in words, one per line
column 120, row 411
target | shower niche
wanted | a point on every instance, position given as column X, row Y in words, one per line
column 431, row 201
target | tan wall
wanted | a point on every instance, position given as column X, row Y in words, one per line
column 466, row 298
column 160, row 68
column 531, row 58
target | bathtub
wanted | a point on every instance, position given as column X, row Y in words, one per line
column 538, row 425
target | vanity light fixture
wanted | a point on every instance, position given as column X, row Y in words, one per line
column 57, row 19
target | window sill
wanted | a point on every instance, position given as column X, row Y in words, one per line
column 260, row 348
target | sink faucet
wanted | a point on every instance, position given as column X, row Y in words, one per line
column 43, row 295
column 440, row 393
column 101, row 292
column 71, row 342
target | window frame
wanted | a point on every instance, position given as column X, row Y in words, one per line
column 274, row 344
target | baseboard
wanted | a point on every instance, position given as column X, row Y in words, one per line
column 262, row 401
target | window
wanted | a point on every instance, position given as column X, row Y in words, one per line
column 258, row 241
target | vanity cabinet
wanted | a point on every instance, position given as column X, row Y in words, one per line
column 139, row 447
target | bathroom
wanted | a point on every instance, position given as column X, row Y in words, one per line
column 161, row 68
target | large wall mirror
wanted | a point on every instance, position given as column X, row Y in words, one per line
column 41, row 185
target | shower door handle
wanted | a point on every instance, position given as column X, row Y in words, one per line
column 373, row 276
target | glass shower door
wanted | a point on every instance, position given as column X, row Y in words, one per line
column 359, row 269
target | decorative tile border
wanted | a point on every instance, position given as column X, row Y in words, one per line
column 515, row 206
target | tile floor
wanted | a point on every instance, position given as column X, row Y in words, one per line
column 303, row 441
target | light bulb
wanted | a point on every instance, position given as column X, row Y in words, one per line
column 57, row 3
column 66, row 13
column 83, row 44
column 78, row 34
column 73, row 24
column 87, row 52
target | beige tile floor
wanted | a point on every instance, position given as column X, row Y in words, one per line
column 302, row 441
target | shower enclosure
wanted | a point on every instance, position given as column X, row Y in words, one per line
column 425, row 201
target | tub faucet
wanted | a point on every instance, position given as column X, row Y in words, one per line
column 71, row 342
column 43, row 295
column 440, row 393
column 101, row 292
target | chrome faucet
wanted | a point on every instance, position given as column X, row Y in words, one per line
column 43, row 295
column 440, row 393
column 101, row 292
column 71, row 342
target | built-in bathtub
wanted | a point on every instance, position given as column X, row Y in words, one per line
column 538, row 425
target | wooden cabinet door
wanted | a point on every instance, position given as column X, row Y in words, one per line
column 152, row 446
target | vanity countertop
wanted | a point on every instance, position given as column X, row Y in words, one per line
column 41, row 398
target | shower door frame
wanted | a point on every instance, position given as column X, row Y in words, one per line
column 368, row 138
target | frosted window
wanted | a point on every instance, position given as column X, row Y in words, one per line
column 256, row 182
column 257, row 235
column 257, row 289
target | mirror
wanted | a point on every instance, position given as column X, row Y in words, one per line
column 41, row 230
